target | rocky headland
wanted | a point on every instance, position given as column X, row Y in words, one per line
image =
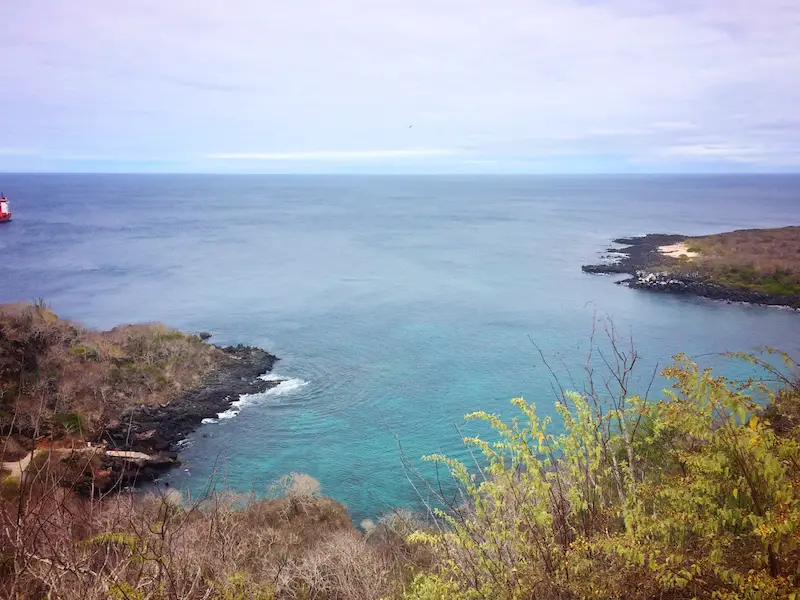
column 108, row 409
column 155, row 431
column 759, row 266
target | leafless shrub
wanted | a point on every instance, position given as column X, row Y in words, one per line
column 302, row 485
column 767, row 259
column 342, row 566
column 58, row 377
column 56, row 543
column 173, row 498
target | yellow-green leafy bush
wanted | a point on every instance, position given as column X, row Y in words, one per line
column 692, row 496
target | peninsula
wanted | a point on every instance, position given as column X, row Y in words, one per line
column 759, row 266
column 112, row 404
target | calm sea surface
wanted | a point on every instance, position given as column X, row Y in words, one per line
column 397, row 304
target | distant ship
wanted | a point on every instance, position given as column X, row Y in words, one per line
column 5, row 213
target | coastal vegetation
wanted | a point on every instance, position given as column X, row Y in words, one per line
column 110, row 406
column 690, row 494
column 760, row 266
column 60, row 379
column 766, row 260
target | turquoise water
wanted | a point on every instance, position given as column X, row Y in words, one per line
column 396, row 304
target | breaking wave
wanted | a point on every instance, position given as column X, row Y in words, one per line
column 285, row 386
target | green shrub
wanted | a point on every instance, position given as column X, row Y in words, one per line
column 427, row 586
column 692, row 496
column 779, row 282
column 72, row 422
column 85, row 352
column 9, row 487
column 239, row 586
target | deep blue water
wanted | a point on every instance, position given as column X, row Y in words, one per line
column 403, row 302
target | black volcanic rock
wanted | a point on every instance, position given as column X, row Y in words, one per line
column 636, row 254
column 155, row 429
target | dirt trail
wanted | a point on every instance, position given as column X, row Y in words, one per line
column 128, row 454
column 17, row 467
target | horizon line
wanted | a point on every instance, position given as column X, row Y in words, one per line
column 408, row 173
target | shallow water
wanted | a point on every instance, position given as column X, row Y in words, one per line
column 397, row 304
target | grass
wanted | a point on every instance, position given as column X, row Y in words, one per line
column 779, row 282
column 58, row 378
column 765, row 260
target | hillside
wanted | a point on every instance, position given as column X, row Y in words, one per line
column 110, row 407
column 58, row 378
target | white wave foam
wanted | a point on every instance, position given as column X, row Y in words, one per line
column 286, row 386
column 270, row 377
column 243, row 400
column 228, row 414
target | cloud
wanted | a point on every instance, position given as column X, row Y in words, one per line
column 735, row 154
column 672, row 126
column 16, row 152
column 91, row 157
column 343, row 155
column 501, row 81
column 705, row 150
column 742, row 154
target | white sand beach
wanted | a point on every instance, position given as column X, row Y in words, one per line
column 677, row 250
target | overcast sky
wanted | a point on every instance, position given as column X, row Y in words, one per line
column 400, row 85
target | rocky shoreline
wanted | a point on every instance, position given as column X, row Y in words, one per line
column 650, row 270
column 145, row 439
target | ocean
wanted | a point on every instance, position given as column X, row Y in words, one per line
column 396, row 303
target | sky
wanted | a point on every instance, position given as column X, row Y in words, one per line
column 400, row 86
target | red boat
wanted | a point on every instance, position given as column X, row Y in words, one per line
column 5, row 213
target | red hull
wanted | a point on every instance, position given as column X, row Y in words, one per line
column 4, row 218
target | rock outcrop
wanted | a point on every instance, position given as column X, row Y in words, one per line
column 154, row 431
